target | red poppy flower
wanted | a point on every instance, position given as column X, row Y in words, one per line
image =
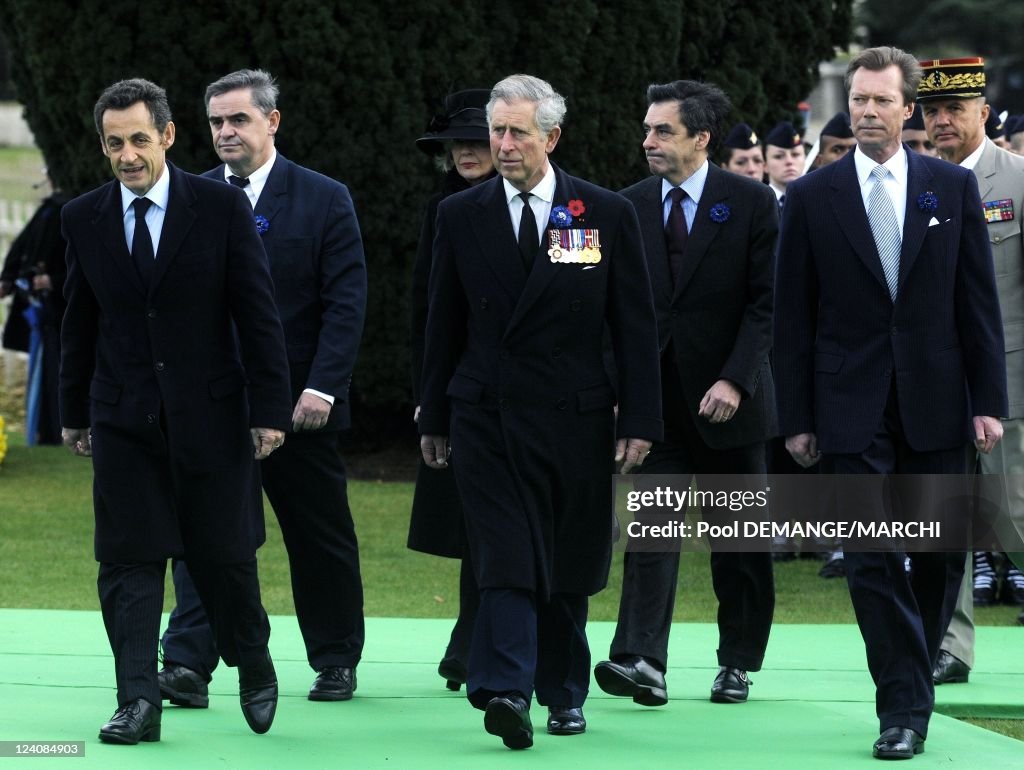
column 576, row 208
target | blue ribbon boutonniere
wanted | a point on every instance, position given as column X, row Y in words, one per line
column 560, row 217
column 720, row 213
column 928, row 202
column 262, row 225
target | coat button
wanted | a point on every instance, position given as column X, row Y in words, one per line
column 561, row 404
column 575, row 305
column 503, row 404
column 483, row 303
column 150, row 418
column 150, row 313
column 556, row 352
column 997, row 239
column 159, row 366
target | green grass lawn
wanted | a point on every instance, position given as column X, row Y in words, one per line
column 20, row 168
column 46, row 555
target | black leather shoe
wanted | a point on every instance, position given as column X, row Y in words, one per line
column 136, row 721
column 898, row 743
column 566, row 720
column 453, row 671
column 949, row 669
column 334, row 683
column 833, row 568
column 730, row 686
column 508, row 717
column 257, row 692
column 634, row 677
column 183, row 687
column 1012, row 591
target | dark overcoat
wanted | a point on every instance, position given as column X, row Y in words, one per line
column 514, row 373
column 435, row 522
column 171, row 378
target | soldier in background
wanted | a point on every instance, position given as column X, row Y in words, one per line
column 742, row 152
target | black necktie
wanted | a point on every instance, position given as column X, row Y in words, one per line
column 528, row 244
column 676, row 233
column 142, row 241
column 782, row 203
column 238, row 181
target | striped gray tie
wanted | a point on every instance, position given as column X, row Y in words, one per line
column 885, row 228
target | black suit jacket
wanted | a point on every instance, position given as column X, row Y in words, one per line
column 718, row 318
column 840, row 340
column 316, row 259
column 170, row 379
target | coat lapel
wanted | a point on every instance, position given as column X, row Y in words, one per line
column 848, row 207
column 275, row 192
column 704, row 228
column 492, row 228
column 915, row 222
column 109, row 223
column 177, row 223
column 985, row 171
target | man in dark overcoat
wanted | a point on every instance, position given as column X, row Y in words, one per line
column 529, row 270
column 173, row 369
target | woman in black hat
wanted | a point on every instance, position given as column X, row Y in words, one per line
column 458, row 140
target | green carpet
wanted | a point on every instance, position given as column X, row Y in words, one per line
column 812, row 706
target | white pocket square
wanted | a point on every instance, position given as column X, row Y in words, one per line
column 932, row 222
column 590, row 267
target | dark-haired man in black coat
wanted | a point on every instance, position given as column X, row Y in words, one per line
column 709, row 237
column 173, row 369
column 889, row 357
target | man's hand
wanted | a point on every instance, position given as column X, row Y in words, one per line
column 631, row 452
column 78, row 440
column 266, row 440
column 416, row 414
column 987, row 432
column 720, row 402
column 435, row 451
column 803, row 448
column 311, row 412
column 41, row 282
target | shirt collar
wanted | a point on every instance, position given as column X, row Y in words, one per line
column 897, row 166
column 257, row 178
column 159, row 193
column 544, row 189
column 693, row 185
column 972, row 160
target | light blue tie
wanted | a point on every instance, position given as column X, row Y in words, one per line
column 886, row 229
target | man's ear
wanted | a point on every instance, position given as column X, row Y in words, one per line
column 168, row 138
